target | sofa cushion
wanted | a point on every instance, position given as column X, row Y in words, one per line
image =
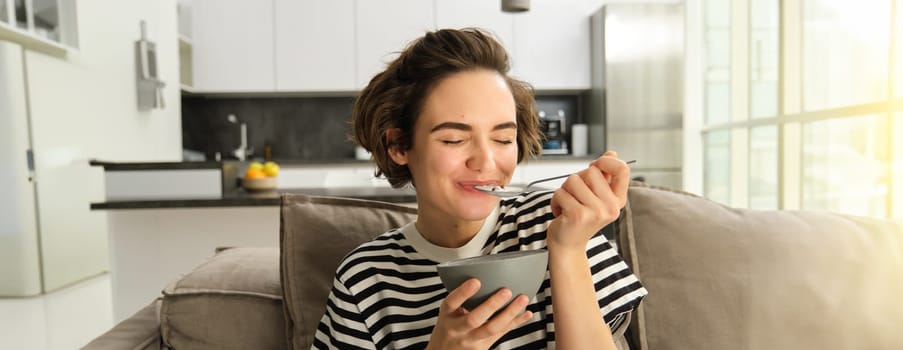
column 722, row 278
column 231, row 301
column 141, row 331
column 316, row 233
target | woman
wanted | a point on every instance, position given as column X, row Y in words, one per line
column 445, row 117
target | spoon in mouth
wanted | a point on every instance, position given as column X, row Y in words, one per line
column 511, row 191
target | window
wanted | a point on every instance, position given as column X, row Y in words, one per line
column 763, row 58
column 718, row 61
column 718, row 166
column 898, row 53
column 897, row 171
column 845, row 52
column 763, row 167
column 845, row 165
column 823, row 129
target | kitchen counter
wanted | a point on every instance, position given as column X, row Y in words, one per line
column 242, row 198
column 162, row 185
column 168, row 185
column 115, row 166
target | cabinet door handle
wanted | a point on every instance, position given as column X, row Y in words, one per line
column 29, row 158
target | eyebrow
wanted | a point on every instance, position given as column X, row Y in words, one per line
column 467, row 127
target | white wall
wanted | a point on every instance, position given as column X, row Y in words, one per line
column 84, row 106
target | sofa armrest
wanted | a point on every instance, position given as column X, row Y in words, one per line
column 231, row 301
column 141, row 331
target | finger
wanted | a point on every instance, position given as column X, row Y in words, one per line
column 620, row 175
column 457, row 297
column 555, row 205
column 504, row 320
column 566, row 201
column 578, row 188
column 610, row 166
column 609, row 204
column 484, row 311
column 596, row 181
column 521, row 319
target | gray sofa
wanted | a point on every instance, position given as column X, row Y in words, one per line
column 718, row 278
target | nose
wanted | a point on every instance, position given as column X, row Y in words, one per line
column 481, row 158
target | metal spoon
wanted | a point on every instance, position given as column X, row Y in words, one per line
column 511, row 191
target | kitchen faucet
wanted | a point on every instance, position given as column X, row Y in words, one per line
column 243, row 151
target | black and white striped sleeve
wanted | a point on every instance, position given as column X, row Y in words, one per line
column 618, row 290
column 342, row 326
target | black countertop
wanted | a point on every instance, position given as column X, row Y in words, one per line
column 124, row 166
column 243, row 198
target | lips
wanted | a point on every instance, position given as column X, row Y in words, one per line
column 478, row 183
column 469, row 185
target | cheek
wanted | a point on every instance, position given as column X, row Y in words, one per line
column 508, row 161
column 433, row 161
column 445, row 161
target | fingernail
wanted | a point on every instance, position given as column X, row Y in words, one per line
column 506, row 293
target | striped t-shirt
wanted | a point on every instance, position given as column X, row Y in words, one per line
column 386, row 293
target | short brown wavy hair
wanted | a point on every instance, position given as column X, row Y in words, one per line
column 394, row 97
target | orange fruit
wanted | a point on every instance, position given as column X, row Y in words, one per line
column 254, row 173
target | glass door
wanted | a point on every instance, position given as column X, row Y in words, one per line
column 4, row 12
column 20, row 14
column 45, row 16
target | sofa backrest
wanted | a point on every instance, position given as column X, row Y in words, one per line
column 724, row 278
column 315, row 234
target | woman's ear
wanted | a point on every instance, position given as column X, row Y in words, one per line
column 396, row 151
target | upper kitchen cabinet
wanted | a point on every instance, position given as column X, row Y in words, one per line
column 48, row 26
column 552, row 45
column 384, row 28
column 315, row 45
column 232, row 45
column 477, row 13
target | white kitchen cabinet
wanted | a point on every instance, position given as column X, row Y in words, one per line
column 384, row 28
column 233, row 45
column 552, row 45
column 314, row 45
column 324, row 46
column 477, row 13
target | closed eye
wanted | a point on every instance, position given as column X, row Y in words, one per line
column 504, row 142
column 451, row 142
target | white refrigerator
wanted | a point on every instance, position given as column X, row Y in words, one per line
column 20, row 270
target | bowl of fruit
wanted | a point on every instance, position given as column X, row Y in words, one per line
column 260, row 176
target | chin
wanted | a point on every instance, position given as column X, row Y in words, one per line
column 474, row 210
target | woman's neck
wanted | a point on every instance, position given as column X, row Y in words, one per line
column 445, row 231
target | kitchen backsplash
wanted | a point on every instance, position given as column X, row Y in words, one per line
column 295, row 128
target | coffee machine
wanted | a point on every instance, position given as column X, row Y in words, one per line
column 554, row 129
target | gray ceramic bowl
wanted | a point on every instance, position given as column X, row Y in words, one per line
column 522, row 272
